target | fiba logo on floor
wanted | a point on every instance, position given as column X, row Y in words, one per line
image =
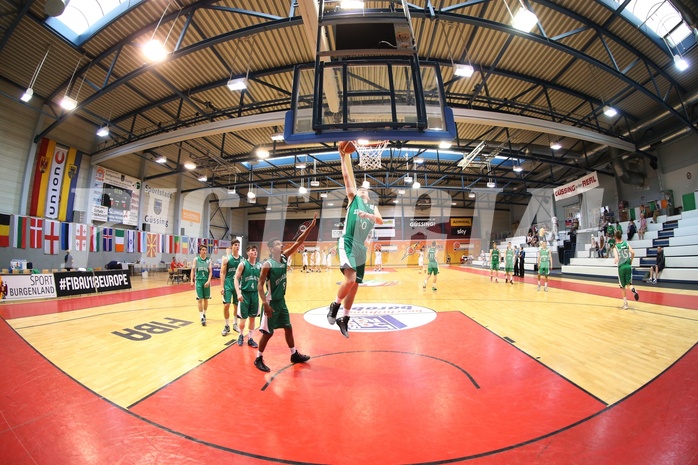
column 376, row 317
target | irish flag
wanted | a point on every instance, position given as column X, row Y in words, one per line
column 119, row 240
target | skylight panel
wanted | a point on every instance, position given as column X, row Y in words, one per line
column 661, row 17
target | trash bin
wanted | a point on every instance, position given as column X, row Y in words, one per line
column 144, row 274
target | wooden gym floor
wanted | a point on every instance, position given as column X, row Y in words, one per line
column 475, row 372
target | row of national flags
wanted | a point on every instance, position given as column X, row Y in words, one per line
column 54, row 236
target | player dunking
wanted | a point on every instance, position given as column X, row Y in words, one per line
column 360, row 219
column 275, row 314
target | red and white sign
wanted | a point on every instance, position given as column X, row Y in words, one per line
column 36, row 233
column 81, row 237
column 55, row 181
column 51, row 237
column 581, row 185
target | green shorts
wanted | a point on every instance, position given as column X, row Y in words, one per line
column 229, row 293
column 201, row 291
column 508, row 268
column 494, row 266
column 433, row 268
column 625, row 275
column 352, row 255
column 543, row 270
column 279, row 318
column 249, row 307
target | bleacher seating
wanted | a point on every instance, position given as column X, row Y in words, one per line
column 678, row 235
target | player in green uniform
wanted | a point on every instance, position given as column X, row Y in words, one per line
column 246, row 286
column 509, row 263
column 201, row 274
column 623, row 255
column 432, row 265
column 275, row 315
column 494, row 262
column 358, row 224
column 543, row 264
column 229, row 266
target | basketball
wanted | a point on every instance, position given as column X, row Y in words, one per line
column 346, row 147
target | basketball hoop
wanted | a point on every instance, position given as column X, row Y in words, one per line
column 370, row 154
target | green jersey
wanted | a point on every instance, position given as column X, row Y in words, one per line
column 356, row 229
column 431, row 255
column 623, row 253
column 232, row 267
column 544, row 258
column 250, row 276
column 277, row 278
column 509, row 258
column 201, row 268
column 495, row 255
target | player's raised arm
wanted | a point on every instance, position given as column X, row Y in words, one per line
column 292, row 248
column 346, row 148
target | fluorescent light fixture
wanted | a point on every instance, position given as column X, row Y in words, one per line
column 237, row 84
column 609, row 111
column 491, row 184
column 300, row 166
column 154, row 50
column 524, row 20
column 232, row 191
column 362, row 141
column 278, row 137
column 555, row 145
column 463, row 70
column 250, row 194
column 680, row 63
column 68, row 103
column 189, row 165
column 445, row 145
column 27, row 95
column 352, row 5
column 396, row 201
column 471, row 195
column 408, row 179
column 401, row 191
column 323, row 195
column 302, row 190
column 518, row 168
column 163, row 159
column 103, row 131
column 268, row 209
column 203, row 178
column 366, row 185
column 416, row 185
column 314, row 183
column 262, row 153
column 454, row 203
column 419, row 161
column 251, row 200
column 331, row 204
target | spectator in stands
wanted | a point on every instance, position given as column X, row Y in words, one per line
column 655, row 212
column 173, row 264
column 643, row 211
column 606, row 215
column 68, row 259
column 594, row 249
column 602, row 247
column 619, row 228
column 658, row 266
column 534, row 241
column 643, row 225
column 632, row 229
column 529, row 237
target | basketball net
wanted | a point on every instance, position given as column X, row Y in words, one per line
column 370, row 154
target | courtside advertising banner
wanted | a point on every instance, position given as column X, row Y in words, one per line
column 581, row 185
column 28, row 286
column 88, row 282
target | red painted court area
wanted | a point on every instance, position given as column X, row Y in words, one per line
column 451, row 392
column 409, row 390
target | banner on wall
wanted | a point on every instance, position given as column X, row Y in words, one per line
column 158, row 207
column 54, row 181
column 115, row 197
column 80, row 282
column 28, row 286
column 581, row 185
